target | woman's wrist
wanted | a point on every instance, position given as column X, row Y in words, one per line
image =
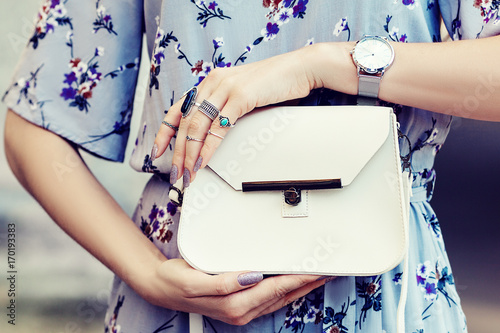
column 331, row 66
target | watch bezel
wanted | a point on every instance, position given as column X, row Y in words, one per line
column 366, row 69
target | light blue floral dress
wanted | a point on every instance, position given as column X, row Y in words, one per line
column 78, row 75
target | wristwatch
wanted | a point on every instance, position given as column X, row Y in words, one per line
column 372, row 55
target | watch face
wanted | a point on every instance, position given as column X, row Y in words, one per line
column 373, row 54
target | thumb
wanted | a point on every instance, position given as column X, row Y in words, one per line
column 228, row 283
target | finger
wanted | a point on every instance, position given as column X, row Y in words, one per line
column 230, row 111
column 246, row 305
column 287, row 299
column 191, row 135
column 196, row 134
column 275, row 288
column 168, row 130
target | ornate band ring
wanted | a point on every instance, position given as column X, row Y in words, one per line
column 208, row 109
column 175, row 128
column 224, row 121
column 194, row 139
column 215, row 134
column 189, row 101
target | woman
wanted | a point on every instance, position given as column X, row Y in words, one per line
column 76, row 82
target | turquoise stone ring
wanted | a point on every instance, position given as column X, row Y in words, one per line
column 224, row 122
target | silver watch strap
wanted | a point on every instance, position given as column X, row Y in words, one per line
column 368, row 85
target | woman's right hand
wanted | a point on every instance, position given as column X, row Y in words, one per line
column 234, row 298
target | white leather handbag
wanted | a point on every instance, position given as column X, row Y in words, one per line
column 301, row 190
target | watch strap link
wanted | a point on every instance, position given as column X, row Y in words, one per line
column 368, row 85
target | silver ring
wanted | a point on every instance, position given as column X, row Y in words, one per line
column 224, row 121
column 208, row 109
column 175, row 128
column 215, row 134
column 194, row 139
column 189, row 101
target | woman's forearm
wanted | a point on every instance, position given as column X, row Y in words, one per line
column 460, row 78
column 54, row 173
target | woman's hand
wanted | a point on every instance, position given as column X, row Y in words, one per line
column 236, row 91
column 234, row 298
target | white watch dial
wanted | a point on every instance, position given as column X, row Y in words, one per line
column 373, row 54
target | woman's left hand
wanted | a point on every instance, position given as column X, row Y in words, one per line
column 234, row 91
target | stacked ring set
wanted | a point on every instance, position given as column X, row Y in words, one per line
column 205, row 107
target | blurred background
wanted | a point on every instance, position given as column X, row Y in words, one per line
column 61, row 288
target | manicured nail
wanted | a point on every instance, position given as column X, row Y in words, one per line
column 173, row 174
column 197, row 165
column 327, row 278
column 246, row 279
column 187, row 178
column 154, row 151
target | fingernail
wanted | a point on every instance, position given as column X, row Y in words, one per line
column 327, row 278
column 187, row 178
column 197, row 165
column 173, row 174
column 154, row 151
column 246, row 279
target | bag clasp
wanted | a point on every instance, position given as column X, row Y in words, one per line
column 292, row 196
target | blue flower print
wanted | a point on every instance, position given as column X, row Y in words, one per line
column 111, row 325
column 208, row 12
column 147, row 165
column 304, row 311
column 218, row 42
column 371, row 292
column 202, row 68
column 433, row 224
column 393, row 34
column 410, row 4
column 332, row 320
column 103, row 20
column 160, row 218
column 119, row 127
column 270, row 31
column 82, row 79
column 24, row 85
column 397, row 279
column 433, row 282
column 490, row 11
column 280, row 12
column 161, row 42
column 299, row 10
column 342, row 26
column 51, row 15
column 283, row 16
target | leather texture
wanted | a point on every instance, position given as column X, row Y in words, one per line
column 360, row 229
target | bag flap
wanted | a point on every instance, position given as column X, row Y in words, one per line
column 301, row 143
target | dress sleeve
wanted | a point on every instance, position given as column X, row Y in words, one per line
column 469, row 19
column 77, row 75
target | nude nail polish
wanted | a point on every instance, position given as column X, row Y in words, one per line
column 187, row 178
column 173, row 174
column 154, row 152
column 246, row 279
column 197, row 165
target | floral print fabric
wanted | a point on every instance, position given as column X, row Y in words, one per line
column 78, row 75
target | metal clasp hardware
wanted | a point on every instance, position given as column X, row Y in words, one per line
column 292, row 196
column 175, row 195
